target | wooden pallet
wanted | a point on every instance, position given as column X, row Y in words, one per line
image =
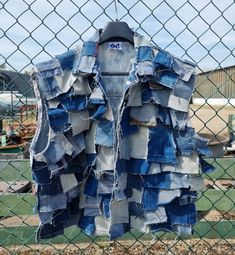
column 21, row 205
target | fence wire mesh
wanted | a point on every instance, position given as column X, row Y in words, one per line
column 202, row 31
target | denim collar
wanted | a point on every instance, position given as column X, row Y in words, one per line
column 142, row 67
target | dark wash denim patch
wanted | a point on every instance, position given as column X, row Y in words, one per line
column 121, row 167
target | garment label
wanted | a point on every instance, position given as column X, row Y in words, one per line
column 115, row 45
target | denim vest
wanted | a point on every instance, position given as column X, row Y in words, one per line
column 113, row 153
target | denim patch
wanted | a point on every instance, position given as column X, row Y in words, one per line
column 68, row 181
column 181, row 214
column 73, row 206
column 185, row 89
column 74, row 103
column 163, row 59
column 105, row 158
column 205, row 166
column 105, row 134
column 165, row 196
column 187, row 197
column 50, row 68
column 106, row 205
column 167, row 78
column 144, row 115
column 54, row 152
column 92, row 212
column 179, row 119
column 91, row 186
column 52, row 203
column 87, row 224
column 59, row 120
column 52, row 189
column 164, row 115
column 75, row 164
column 201, row 146
column 90, row 48
column 145, row 70
column 144, row 53
column 136, row 209
column 67, row 59
column 117, row 230
column 97, row 114
column 50, row 231
column 60, row 216
column 134, row 96
column 137, row 166
column 185, row 141
column 140, row 137
column 155, row 216
column 184, row 69
column 119, row 212
column 126, row 128
column 105, row 187
column 97, row 96
column 40, row 172
column 91, row 159
column 134, row 181
column 161, row 146
column 80, row 121
column 150, row 199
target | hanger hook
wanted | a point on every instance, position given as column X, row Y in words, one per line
column 116, row 9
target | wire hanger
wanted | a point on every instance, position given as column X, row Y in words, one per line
column 116, row 30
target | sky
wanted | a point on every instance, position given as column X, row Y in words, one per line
column 32, row 31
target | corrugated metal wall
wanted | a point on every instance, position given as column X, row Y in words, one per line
column 216, row 84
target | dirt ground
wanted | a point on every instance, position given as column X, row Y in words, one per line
column 134, row 247
column 211, row 119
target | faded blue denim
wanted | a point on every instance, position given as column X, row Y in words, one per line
column 110, row 152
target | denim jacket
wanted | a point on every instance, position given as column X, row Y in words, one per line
column 113, row 153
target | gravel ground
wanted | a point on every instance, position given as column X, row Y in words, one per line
column 159, row 247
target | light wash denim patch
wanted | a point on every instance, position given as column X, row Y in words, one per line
column 105, row 158
column 145, row 115
column 119, row 212
column 167, row 78
column 155, row 217
column 102, row 226
column 52, row 203
column 68, row 181
column 179, row 119
column 145, row 68
column 141, row 137
column 137, row 196
column 81, row 86
column 138, row 224
column 90, row 138
column 134, row 96
column 97, row 96
column 86, row 65
column 184, row 69
column 186, row 165
column 105, row 187
column 165, row 196
column 105, row 134
column 80, row 121
column 144, row 53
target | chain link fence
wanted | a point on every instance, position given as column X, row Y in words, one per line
column 202, row 31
